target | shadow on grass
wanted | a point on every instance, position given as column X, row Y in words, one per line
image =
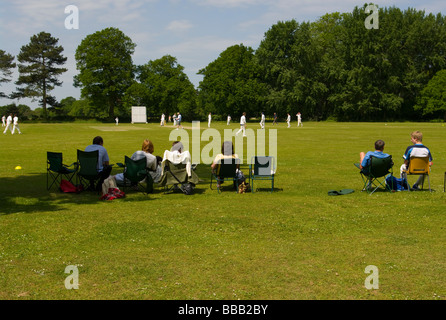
column 28, row 194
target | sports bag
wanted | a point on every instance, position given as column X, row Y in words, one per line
column 67, row 186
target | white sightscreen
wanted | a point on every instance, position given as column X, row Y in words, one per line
column 139, row 115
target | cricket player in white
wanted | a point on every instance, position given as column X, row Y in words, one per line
column 4, row 121
column 163, row 118
column 262, row 121
column 8, row 124
column 209, row 120
column 229, row 120
column 288, row 120
column 299, row 119
column 242, row 125
column 16, row 125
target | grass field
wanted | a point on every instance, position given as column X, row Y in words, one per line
column 296, row 243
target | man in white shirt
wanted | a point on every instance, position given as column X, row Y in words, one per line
column 262, row 121
column 299, row 119
column 229, row 120
column 8, row 124
column 163, row 118
column 242, row 125
column 4, row 121
column 16, row 125
column 209, row 120
column 288, row 120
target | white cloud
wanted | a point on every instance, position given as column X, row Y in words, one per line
column 179, row 26
column 231, row 3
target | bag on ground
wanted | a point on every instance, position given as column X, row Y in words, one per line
column 67, row 186
column 397, row 184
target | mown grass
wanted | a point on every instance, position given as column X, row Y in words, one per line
column 297, row 243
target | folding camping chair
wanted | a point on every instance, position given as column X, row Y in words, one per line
column 418, row 166
column 175, row 177
column 226, row 170
column 378, row 168
column 87, row 169
column 55, row 169
column 135, row 173
column 262, row 168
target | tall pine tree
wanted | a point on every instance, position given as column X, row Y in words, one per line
column 38, row 71
column 6, row 64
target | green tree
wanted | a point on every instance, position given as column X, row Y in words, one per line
column 432, row 99
column 231, row 84
column 6, row 64
column 291, row 59
column 38, row 71
column 164, row 88
column 83, row 109
column 106, row 71
column 275, row 57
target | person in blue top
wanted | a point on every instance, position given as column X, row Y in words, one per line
column 179, row 119
column 364, row 162
column 417, row 149
column 104, row 168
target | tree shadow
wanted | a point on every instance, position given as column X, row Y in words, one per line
column 28, row 194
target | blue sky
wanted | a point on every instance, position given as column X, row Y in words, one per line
column 193, row 31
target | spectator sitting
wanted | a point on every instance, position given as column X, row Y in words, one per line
column 104, row 169
column 153, row 162
column 227, row 152
column 365, row 157
column 417, row 149
column 177, row 155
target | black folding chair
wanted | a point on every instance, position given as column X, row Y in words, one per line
column 226, row 170
column 87, row 174
column 372, row 175
column 56, row 169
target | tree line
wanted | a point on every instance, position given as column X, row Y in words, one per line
column 331, row 69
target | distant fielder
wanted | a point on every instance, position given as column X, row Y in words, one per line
column 242, row 125
column 299, row 119
column 8, row 124
column 262, row 121
column 16, row 125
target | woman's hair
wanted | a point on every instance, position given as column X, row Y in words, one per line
column 147, row 146
column 227, row 148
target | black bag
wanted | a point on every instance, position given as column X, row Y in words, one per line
column 240, row 178
column 187, row 188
